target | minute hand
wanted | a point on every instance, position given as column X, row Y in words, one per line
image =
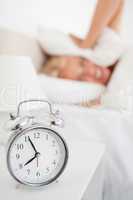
column 33, row 146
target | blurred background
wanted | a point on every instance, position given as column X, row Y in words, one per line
column 128, row 20
column 25, row 15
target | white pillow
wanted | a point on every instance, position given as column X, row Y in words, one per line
column 69, row 92
column 106, row 52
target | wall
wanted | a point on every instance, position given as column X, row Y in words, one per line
column 128, row 20
column 62, row 14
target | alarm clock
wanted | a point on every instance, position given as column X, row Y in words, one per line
column 37, row 154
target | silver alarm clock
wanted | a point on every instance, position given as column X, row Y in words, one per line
column 37, row 154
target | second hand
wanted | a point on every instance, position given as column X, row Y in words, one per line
column 37, row 162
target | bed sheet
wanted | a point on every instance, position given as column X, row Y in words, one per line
column 115, row 129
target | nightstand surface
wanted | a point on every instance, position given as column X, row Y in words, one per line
column 85, row 157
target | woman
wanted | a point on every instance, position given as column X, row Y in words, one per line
column 107, row 13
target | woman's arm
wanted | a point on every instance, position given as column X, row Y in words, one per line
column 105, row 10
column 116, row 20
column 105, row 13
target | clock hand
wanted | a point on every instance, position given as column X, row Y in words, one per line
column 37, row 162
column 33, row 146
column 29, row 161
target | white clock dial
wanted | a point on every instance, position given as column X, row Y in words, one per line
column 37, row 156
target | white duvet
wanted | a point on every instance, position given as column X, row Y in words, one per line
column 115, row 129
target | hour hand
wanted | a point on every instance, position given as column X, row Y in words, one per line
column 29, row 161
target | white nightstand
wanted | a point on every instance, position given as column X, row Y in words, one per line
column 80, row 181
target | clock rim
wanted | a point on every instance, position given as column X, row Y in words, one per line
column 33, row 127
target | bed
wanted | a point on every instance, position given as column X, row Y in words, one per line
column 114, row 128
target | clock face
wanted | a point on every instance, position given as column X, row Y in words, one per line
column 37, row 156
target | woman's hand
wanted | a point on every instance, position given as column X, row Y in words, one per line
column 78, row 41
column 81, row 43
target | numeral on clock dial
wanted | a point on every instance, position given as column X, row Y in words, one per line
column 47, row 137
column 36, row 135
column 54, row 162
column 53, row 143
column 47, row 169
column 28, row 171
column 17, row 155
column 20, row 166
column 26, row 138
column 38, row 174
column 20, row 146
